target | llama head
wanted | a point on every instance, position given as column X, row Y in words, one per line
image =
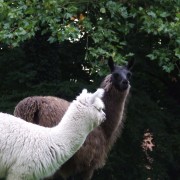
column 93, row 105
column 120, row 74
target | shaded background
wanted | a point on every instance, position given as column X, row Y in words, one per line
column 39, row 65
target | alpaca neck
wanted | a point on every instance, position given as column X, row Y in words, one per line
column 69, row 135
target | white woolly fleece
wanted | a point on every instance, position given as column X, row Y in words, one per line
column 29, row 151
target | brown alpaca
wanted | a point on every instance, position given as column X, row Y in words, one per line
column 93, row 154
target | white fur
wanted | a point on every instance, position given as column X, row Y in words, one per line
column 29, row 151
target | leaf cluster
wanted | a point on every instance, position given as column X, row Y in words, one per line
column 112, row 28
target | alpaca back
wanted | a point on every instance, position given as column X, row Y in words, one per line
column 46, row 111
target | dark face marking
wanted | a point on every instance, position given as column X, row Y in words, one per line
column 120, row 75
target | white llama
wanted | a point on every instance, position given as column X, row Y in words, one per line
column 30, row 152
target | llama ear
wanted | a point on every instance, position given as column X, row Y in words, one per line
column 111, row 64
column 130, row 64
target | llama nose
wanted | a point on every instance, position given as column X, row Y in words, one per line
column 125, row 82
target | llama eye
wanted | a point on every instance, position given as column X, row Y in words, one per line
column 129, row 75
column 116, row 75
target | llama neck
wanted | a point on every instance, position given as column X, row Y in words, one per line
column 115, row 102
column 69, row 135
column 114, row 108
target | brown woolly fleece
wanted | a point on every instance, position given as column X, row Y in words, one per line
column 43, row 110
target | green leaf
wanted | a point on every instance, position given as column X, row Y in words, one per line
column 164, row 14
column 152, row 14
column 177, row 52
column 151, row 56
column 103, row 10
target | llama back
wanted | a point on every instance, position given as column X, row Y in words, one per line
column 45, row 111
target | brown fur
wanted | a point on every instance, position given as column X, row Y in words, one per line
column 92, row 155
column 46, row 111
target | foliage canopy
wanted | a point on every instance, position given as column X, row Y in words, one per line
column 111, row 28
